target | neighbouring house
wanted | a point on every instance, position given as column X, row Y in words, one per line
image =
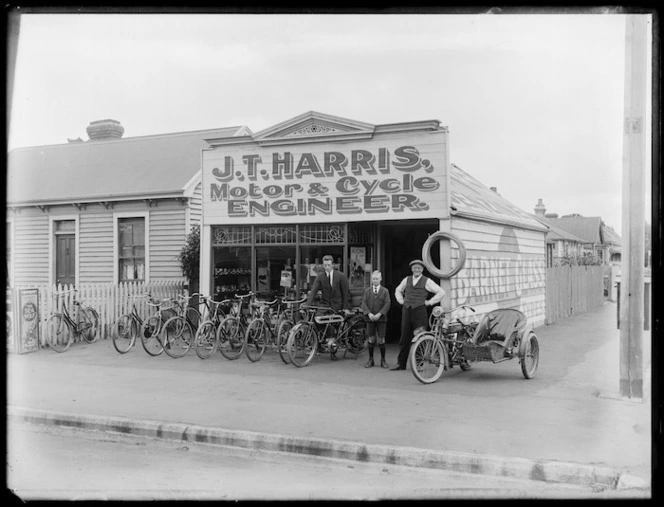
column 560, row 244
column 597, row 239
column 107, row 210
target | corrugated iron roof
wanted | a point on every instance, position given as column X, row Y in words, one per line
column 556, row 233
column 587, row 228
column 141, row 166
column 472, row 199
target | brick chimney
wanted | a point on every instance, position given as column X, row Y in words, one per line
column 103, row 130
column 540, row 209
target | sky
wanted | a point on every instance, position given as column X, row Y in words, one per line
column 534, row 103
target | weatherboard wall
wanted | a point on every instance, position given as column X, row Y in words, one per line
column 505, row 267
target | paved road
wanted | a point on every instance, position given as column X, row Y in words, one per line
column 569, row 412
column 67, row 464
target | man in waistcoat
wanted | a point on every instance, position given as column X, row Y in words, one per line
column 412, row 293
column 335, row 293
column 375, row 305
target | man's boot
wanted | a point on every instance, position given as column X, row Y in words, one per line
column 383, row 363
column 370, row 362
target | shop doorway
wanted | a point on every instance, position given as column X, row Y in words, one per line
column 402, row 242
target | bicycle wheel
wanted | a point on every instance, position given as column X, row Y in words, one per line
column 230, row 338
column 254, row 340
column 427, row 360
column 150, row 336
column 90, row 318
column 124, row 333
column 530, row 358
column 302, row 344
column 356, row 336
column 282, row 339
column 205, row 340
column 177, row 336
column 58, row 333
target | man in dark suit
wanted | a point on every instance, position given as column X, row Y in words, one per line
column 375, row 305
column 333, row 285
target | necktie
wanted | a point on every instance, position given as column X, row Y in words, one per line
column 375, row 290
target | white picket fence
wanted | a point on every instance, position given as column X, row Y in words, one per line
column 109, row 300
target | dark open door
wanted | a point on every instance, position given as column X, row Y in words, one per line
column 65, row 259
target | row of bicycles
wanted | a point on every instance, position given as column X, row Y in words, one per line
column 242, row 325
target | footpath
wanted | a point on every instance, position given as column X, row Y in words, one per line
column 568, row 424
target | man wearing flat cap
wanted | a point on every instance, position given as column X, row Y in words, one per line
column 412, row 293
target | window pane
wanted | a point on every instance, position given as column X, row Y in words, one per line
column 270, row 263
column 232, row 271
column 131, row 239
column 65, row 226
column 139, row 233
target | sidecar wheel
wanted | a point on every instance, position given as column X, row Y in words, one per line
column 530, row 357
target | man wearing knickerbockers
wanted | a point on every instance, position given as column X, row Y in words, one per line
column 375, row 305
column 412, row 293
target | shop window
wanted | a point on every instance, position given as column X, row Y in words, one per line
column 131, row 242
column 232, row 271
column 275, row 270
column 311, row 258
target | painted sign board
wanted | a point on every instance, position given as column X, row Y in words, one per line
column 395, row 176
column 28, row 332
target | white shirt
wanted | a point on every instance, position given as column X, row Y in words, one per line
column 329, row 276
column 431, row 286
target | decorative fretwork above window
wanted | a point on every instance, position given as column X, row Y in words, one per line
column 314, row 128
column 276, row 235
column 322, row 233
column 231, row 235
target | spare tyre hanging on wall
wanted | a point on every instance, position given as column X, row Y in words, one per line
column 426, row 254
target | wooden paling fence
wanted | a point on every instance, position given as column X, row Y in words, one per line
column 109, row 300
column 571, row 290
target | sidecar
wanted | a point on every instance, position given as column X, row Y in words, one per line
column 501, row 335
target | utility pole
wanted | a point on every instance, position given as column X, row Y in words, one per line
column 633, row 209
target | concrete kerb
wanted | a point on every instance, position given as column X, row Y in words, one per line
column 548, row 471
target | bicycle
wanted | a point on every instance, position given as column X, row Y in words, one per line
column 154, row 324
column 432, row 351
column 231, row 331
column 264, row 323
column 127, row 326
column 178, row 331
column 310, row 335
column 206, row 336
column 61, row 327
column 289, row 317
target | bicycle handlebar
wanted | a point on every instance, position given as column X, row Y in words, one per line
column 291, row 302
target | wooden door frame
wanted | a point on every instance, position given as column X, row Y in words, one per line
column 53, row 245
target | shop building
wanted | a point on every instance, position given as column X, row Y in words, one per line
column 276, row 201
